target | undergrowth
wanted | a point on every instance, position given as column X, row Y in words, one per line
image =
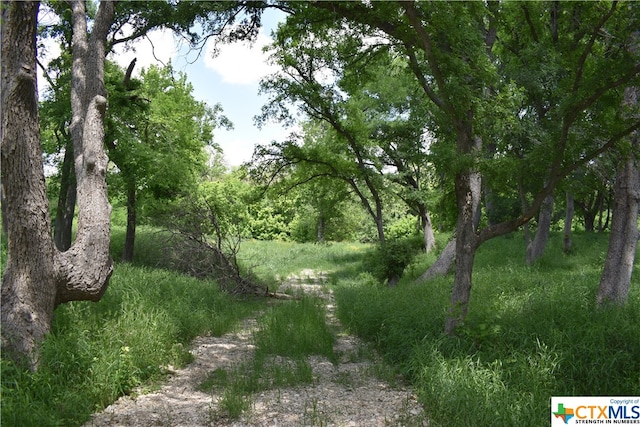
column 531, row 333
column 97, row 352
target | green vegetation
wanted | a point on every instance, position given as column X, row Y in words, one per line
column 97, row 352
column 531, row 333
column 292, row 330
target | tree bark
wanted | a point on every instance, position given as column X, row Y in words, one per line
column 28, row 282
column 466, row 245
column 443, row 264
column 567, row 241
column 87, row 265
column 468, row 187
column 38, row 277
column 623, row 239
column 130, row 237
column 536, row 248
column 63, row 225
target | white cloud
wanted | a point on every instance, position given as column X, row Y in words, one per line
column 240, row 63
column 157, row 47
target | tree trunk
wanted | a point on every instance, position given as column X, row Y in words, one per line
column 468, row 191
column 427, row 230
column 536, row 248
column 29, row 280
column 567, row 241
column 37, row 276
column 63, row 226
column 87, row 265
column 589, row 221
column 623, row 239
column 443, row 264
column 130, row 237
column 466, row 245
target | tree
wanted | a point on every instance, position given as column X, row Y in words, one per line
column 38, row 277
column 366, row 94
column 450, row 49
column 623, row 240
column 156, row 135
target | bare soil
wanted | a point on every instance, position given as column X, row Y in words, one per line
column 347, row 393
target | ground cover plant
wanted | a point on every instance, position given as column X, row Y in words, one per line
column 288, row 332
column 99, row 351
column 532, row 333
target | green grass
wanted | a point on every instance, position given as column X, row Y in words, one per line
column 97, row 352
column 288, row 332
column 531, row 333
column 275, row 260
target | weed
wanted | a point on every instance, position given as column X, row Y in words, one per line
column 97, row 352
column 531, row 333
column 313, row 415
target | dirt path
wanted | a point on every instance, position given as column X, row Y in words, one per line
column 343, row 394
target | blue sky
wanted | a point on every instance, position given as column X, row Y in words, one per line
column 231, row 79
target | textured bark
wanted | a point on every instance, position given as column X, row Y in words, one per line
column 466, row 244
column 87, row 265
column 63, row 225
column 38, row 277
column 567, row 240
column 468, row 186
column 623, row 240
column 28, row 282
column 130, row 237
column 443, row 264
column 536, row 248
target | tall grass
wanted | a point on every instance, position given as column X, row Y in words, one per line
column 531, row 333
column 99, row 351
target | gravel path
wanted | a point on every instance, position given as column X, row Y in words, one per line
column 343, row 394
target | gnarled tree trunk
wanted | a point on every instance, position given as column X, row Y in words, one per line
column 38, row 277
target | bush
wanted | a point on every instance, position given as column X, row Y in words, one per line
column 392, row 257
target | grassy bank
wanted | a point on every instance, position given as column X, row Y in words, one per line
column 99, row 351
column 531, row 333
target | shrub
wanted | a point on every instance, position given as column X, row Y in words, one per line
column 390, row 258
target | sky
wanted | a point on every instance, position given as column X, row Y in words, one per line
column 231, row 79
